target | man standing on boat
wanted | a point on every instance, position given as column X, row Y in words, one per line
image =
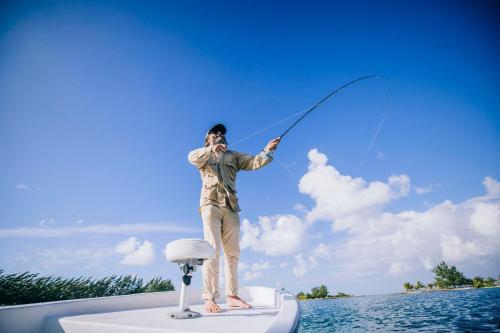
column 219, row 209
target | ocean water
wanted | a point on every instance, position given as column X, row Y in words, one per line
column 474, row 310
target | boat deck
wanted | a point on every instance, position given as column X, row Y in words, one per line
column 256, row 319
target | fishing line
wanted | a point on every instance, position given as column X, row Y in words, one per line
column 373, row 139
column 307, row 111
column 268, row 127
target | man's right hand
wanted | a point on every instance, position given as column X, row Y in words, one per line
column 219, row 148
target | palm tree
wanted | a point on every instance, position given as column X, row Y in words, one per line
column 489, row 282
column 408, row 286
column 301, row 295
column 478, row 282
column 419, row 285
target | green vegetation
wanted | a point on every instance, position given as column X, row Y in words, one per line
column 320, row 292
column 480, row 282
column 25, row 288
column 446, row 277
column 408, row 286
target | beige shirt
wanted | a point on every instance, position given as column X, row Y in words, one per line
column 218, row 173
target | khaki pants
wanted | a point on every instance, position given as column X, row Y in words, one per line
column 221, row 224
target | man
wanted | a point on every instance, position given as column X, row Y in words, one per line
column 219, row 209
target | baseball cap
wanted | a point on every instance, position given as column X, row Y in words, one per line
column 217, row 128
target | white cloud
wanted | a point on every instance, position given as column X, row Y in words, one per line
column 303, row 265
column 101, row 229
column 283, row 264
column 372, row 240
column 46, row 222
column 22, row 187
column 455, row 249
column 400, row 185
column 379, row 241
column 492, row 187
column 423, row 189
column 484, row 219
column 398, row 268
column 127, row 246
column 65, row 259
column 339, row 196
column 260, row 266
column 255, row 270
column 136, row 254
column 80, row 221
column 299, row 208
column 275, row 235
column 251, row 275
column 426, row 189
column 323, row 251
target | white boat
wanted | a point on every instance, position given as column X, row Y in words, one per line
column 272, row 311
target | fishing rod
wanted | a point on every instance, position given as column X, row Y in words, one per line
column 311, row 109
column 307, row 111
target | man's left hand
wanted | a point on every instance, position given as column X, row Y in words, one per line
column 273, row 144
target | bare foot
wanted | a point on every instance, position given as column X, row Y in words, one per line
column 235, row 301
column 211, row 306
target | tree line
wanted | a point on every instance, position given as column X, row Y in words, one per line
column 447, row 277
column 25, row 288
column 320, row 292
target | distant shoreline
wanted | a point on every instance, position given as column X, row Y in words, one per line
column 326, row 298
column 443, row 289
column 398, row 293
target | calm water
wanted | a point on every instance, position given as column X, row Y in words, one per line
column 475, row 310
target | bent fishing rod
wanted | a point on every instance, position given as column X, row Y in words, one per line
column 306, row 112
column 311, row 109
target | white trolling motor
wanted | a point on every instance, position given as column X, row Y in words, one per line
column 188, row 253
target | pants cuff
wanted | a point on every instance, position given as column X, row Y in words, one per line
column 206, row 296
column 232, row 292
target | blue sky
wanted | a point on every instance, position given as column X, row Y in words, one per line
column 100, row 103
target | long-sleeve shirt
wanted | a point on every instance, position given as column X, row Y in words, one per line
column 218, row 173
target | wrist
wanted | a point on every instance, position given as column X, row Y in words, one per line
column 267, row 152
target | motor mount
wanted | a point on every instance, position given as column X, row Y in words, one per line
column 188, row 254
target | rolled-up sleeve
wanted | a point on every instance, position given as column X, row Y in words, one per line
column 249, row 162
column 200, row 156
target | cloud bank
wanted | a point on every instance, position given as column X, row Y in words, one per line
column 100, row 229
column 376, row 241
